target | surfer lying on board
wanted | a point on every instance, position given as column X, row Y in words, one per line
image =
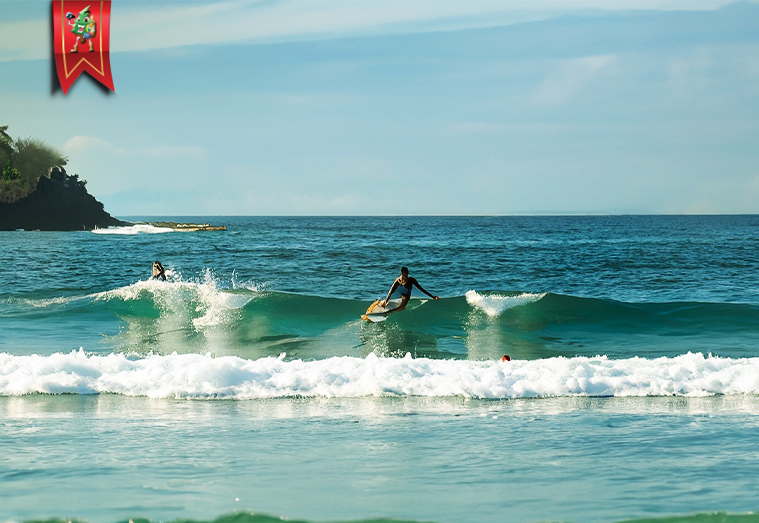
column 159, row 271
column 405, row 283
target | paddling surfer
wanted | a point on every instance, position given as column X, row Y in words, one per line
column 404, row 282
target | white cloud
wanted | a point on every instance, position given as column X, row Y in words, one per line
column 80, row 144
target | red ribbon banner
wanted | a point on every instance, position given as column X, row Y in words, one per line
column 80, row 40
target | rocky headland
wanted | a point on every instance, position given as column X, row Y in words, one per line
column 60, row 202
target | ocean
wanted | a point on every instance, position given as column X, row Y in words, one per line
column 246, row 388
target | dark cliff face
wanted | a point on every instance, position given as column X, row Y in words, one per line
column 60, row 203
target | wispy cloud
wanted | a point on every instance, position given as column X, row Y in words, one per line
column 569, row 77
column 289, row 20
column 79, row 144
column 85, row 144
column 22, row 41
column 143, row 26
column 284, row 20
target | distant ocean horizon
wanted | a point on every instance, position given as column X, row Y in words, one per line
column 546, row 214
column 247, row 388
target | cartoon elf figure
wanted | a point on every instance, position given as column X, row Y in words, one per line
column 84, row 27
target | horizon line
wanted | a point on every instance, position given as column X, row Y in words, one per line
column 125, row 216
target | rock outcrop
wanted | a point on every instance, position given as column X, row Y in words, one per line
column 59, row 203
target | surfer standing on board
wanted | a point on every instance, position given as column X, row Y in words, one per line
column 405, row 283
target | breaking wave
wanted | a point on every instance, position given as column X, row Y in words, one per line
column 140, row 228
column 494, row 304
column 204, row 376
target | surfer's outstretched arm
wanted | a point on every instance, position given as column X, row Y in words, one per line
column 424, row 291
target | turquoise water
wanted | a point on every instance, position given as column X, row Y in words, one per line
column 248, row 385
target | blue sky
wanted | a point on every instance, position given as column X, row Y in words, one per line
column 389, row 107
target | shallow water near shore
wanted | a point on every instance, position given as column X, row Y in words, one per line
column 436, row 459
column 246, row 387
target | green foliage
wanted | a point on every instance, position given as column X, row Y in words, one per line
column 10, row 173
column 24, row 161
column 6, row 145
column 13, row 190
column 5, row 158
column 12, row 186
column 34, row 158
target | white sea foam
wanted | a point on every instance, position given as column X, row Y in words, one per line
column 139, row 228
column 204, row 299
column 494, row 304
column 204, row 376
column 203, row 302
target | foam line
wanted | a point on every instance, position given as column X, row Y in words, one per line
column 134, row 229
column 203, row 376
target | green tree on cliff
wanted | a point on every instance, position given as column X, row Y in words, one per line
column 22, row 163
column 6, row 146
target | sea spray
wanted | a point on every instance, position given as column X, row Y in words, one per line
column 495, row 304
column 204, row 296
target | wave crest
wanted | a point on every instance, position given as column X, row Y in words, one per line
column 494, row 304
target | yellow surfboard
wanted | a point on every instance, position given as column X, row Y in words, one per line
column 376, row 312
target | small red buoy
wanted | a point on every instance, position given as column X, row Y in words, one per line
column 505, row 357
